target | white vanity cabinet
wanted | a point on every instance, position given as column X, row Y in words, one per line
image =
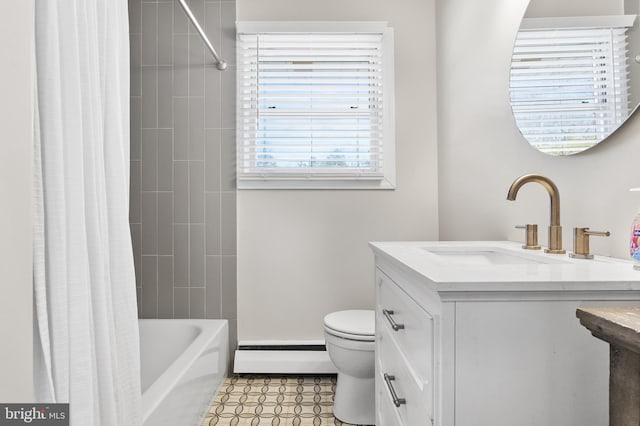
column 459, row 348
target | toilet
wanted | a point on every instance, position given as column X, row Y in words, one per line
column 350, row 338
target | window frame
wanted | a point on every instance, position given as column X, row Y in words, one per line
column 289, row 180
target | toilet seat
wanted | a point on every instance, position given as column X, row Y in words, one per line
column 352, row 324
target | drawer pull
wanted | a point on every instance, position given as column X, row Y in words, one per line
column 387, row 314
column 396, row 401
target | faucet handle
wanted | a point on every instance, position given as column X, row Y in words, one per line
column 581, row 242
column 532, row 236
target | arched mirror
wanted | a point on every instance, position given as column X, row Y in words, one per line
column 575, row 72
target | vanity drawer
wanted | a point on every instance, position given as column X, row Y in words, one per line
column 409, row 325
column 386, row 412
column 399, row 394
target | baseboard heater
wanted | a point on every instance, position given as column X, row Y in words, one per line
column 282, row 358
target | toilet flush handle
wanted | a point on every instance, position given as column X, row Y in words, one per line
column 388, row 315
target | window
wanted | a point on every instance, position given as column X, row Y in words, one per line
column 315, row 105
column 569, row 87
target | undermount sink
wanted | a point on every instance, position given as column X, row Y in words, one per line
column 487, row 256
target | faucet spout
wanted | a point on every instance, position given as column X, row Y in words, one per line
column 555, row 230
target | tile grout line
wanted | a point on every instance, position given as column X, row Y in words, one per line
column 188, row 97
column 173, row 146
column 173, row 183
column 206, row 216
column 219, row 134
column 156, row 159
column 157, row 233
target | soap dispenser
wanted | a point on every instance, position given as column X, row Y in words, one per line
column 634, row 243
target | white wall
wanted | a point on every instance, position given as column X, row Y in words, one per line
column 480, row 150
column 16, row 365
column 303, row 254
column 550, row 8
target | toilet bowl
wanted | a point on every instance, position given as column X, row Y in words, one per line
column 350, row 338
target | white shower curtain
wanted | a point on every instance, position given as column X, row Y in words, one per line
column 86, row 331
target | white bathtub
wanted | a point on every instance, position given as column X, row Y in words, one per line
column 183, row 364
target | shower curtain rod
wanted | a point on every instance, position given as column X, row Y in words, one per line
column 220, row 64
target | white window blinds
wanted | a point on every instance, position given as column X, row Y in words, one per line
column 311, row 106
column 569, row 87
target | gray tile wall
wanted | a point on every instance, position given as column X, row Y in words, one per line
column 183, row 199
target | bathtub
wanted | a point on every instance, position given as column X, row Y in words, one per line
column 183, row 363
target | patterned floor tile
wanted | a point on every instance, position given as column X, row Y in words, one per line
column 261, row 400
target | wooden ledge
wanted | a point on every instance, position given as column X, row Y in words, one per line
column 621, row 328
column 617, row 326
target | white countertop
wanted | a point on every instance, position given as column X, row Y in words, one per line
column 554, row 272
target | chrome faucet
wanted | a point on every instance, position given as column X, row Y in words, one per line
column 555, row 230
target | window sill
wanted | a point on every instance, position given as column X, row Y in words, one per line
column 277, row 184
